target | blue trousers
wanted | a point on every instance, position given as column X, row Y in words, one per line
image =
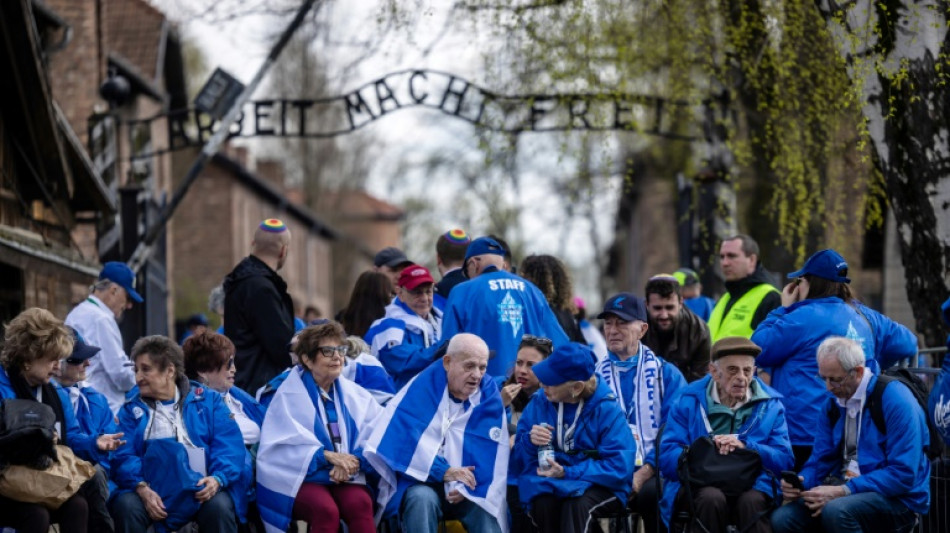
column 215, row 515
column 424, row 506
column 864, row 512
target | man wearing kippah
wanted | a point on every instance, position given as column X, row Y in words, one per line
column 737, row 410
column 258, row 311
column 449, row 255
column 498, row 306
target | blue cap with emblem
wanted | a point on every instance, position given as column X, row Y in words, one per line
column 627, row 306
column 826, row 264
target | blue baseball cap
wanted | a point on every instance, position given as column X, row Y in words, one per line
column 484, row 245
column 122, row 275
column 627, row 306
column 826, row 264
column 81, row 350
column 569, row 362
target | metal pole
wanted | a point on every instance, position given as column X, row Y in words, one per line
column 144, row 249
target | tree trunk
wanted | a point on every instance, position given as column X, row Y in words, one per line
column 895, row 53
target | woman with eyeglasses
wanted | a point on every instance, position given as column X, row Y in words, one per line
column 185, row 458
column 209, row 360
column 310, row 463
column 818, row 303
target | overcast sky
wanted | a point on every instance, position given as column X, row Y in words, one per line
column 239, row 46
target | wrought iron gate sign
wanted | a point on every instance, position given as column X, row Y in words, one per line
column 453, row 96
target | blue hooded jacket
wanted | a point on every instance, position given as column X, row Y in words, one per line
column 83, row 444
column 500, row 307
column 893, row 465
column 764, row 431
column 602, row 428
column 209, row 425
column 789, row 338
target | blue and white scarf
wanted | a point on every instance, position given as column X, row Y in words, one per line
column 294, row 430
column 416, row 423
column 430, row 329
column 370, row 374
column 643, row 415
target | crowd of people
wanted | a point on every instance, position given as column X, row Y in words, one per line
column 486, row 398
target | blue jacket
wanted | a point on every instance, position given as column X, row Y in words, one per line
column 764, row 431
column 83, row 444
column 209, row 425
column 702, row 306
column 404, row 342
column 93, row 416
column 790, row 336
column 500, row 307
column 893, row 465
column 939, row 404
column 601, row 428
column 672, row 382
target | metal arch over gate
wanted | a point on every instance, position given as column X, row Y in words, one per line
column 453, row 96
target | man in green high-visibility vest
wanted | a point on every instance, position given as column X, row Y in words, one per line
column 749, row 294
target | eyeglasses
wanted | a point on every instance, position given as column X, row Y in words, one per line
column 835, row 382
column 330, row 351
column 542, row 342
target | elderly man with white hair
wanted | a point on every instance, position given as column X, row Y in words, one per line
column 860, row 476
column 441, row 448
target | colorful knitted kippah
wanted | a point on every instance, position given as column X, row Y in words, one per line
column 273, row 225
column 458, row 236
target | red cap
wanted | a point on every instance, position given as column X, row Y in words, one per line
column 414, row 275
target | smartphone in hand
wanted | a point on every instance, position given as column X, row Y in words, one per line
column 792, row 479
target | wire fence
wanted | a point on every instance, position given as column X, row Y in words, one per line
column 927, row 364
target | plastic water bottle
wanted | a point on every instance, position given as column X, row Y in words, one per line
column 545, row 454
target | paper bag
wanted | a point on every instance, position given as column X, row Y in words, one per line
column 50, row 487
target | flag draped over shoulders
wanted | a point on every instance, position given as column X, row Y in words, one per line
column 293, row 431
column 411, row 431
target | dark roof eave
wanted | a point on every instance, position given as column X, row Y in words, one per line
column 92, row 184
column 275, row 197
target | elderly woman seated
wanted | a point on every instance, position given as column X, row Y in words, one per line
column 310, row 464
column 34, row 343
column 592, row 460
column 185, row 458
column 209, row 360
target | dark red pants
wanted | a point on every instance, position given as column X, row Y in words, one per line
column 323, row 506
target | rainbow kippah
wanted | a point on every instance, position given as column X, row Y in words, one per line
column 273, row 225
column 458, row 236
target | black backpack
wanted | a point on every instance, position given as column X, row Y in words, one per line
column 26, row 433
column 917, row 387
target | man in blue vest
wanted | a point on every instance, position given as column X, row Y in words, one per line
column 750, row 295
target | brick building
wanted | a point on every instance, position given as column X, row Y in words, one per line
column 113, row 63
column 215, row 224
column 47, row 180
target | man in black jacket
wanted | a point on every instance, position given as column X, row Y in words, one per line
column 258, row 311
column 675, row 333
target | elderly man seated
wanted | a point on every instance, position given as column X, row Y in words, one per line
column 441, row 445
column 862, row 475
column 738, row 411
